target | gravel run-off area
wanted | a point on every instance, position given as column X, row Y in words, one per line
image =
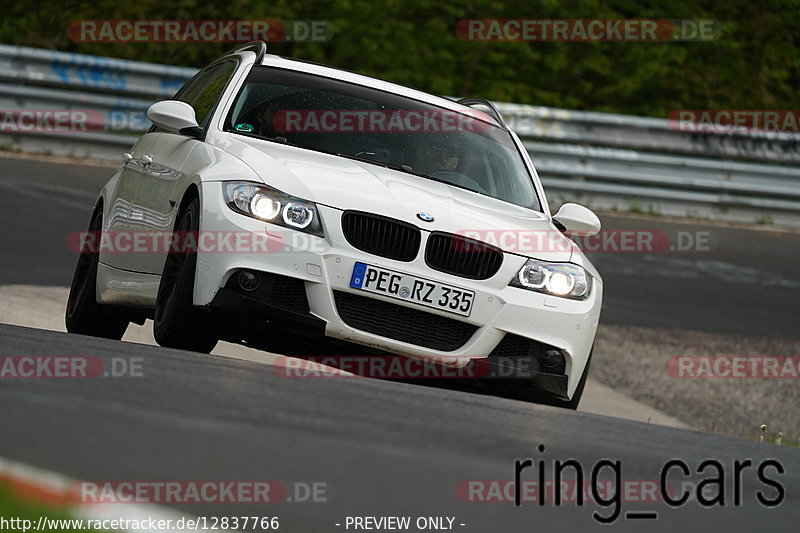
column 634, row 361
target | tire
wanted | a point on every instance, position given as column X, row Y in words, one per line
column 177, row 323
column 84, row 315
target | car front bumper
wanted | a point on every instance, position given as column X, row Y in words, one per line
column 324, row 266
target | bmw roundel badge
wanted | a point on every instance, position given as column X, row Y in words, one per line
column 425, row 217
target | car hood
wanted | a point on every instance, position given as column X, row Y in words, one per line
column 344, row 184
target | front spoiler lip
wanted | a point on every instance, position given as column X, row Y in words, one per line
column 241, row 317
column 235, row 309
column 524, row 379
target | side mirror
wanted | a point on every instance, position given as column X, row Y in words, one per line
column 175, row 117
column 574, row 218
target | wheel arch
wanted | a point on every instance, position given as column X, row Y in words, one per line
column 191, row 192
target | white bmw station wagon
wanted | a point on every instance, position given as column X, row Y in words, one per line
column 295, row 207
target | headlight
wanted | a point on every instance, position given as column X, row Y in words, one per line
column 559, row 279
column 265, row 203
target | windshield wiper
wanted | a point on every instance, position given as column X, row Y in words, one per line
column 402, row 168
column 280, row 140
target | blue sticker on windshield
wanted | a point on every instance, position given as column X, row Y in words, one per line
column 245, row 127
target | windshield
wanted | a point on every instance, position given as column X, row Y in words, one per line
column 331, row 116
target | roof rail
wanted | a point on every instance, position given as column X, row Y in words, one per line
column 259, row 47
column 472, row 101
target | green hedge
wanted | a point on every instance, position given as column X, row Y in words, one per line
column 753, row 64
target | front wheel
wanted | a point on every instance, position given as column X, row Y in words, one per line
column 177, row 323
column 84, row 315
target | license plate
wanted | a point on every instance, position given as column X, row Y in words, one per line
column 410, row 288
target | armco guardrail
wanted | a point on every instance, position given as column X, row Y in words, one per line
column 645, row 133
column 23, row 65
column 606, row 161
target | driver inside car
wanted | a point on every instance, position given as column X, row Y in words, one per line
column 267, row 125
column 444, row 162
column 271, row 116
column 440, row 159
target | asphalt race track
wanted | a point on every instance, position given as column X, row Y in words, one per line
column 384, row 448
column 380, row 447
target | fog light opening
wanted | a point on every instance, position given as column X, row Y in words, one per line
column 551, row 358
column 249, row 281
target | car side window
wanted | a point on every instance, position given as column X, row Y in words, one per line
column 189, row 89
column 203, row 90
column 204, row 94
